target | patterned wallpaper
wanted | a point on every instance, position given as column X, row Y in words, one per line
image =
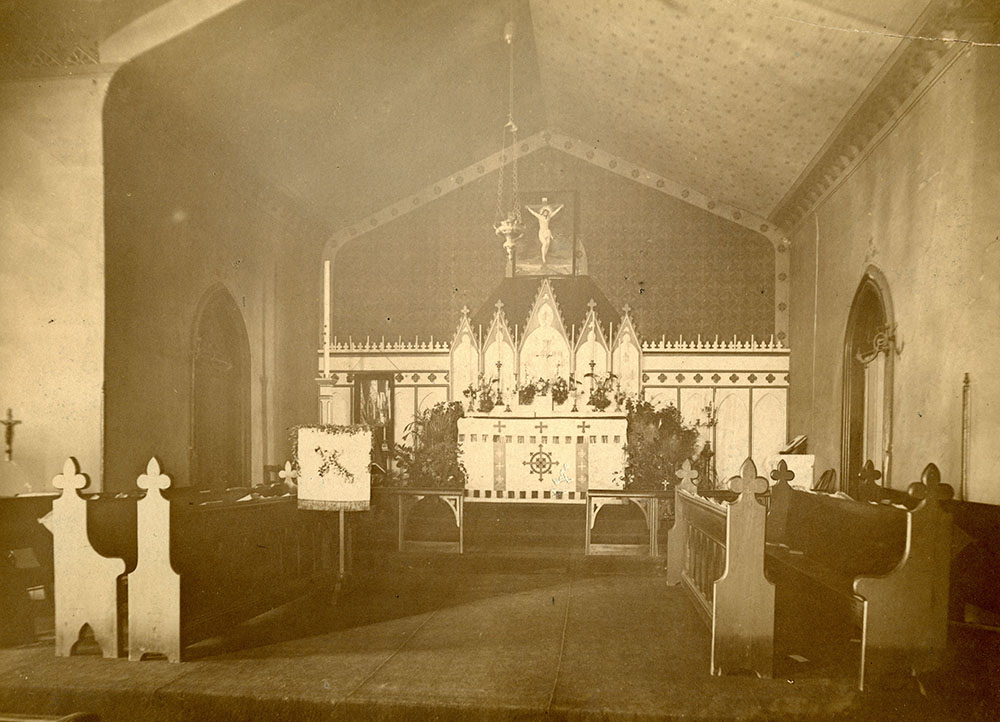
column 681, row 269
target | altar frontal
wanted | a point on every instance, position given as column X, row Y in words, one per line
column 526, row 458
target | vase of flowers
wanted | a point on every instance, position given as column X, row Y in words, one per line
column 601, row 391
column 483, row 396
column 560, row 390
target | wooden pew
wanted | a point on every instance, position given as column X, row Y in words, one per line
column 715, row 550
column 25, row 565
column 88, row 579
column 882, row 569
column 206, row 562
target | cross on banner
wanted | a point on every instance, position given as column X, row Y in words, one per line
column 541, row 427
column 583, row 427
column 500, row 427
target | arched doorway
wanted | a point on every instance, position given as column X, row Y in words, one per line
column 220, row 395
column 867, row 406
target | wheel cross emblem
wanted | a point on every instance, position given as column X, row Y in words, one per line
column 540, row 462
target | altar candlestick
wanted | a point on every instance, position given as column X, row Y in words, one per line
column 326, row 319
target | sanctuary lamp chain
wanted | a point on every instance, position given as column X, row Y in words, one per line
column 509, row 224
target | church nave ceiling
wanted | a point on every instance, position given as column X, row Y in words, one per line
column 348, row 106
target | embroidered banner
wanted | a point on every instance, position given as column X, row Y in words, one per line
column 334, row 467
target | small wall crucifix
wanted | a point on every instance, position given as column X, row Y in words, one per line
column 9, row 423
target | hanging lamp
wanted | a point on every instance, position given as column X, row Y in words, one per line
column 508, row 224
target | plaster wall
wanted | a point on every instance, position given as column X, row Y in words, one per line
column 177, row 226
column 922, row 208
column 51, row 275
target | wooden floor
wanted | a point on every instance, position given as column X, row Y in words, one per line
column 488, row 637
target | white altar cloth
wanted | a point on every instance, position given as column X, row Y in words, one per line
column 513, row 457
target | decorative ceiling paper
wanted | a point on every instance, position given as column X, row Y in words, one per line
column 732, row 98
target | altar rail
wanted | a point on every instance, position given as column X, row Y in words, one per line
column 648, row 503
column 715, row 550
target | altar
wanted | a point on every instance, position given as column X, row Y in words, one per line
column 526, row 458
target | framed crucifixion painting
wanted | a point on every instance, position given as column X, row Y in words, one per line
column 548, row 246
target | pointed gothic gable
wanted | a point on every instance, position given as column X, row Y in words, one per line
column 591, row 345
column 464, row 356
column 499, row 348
column 626, row 357
column 545, row 348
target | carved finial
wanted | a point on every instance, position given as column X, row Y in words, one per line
column 930, row 486
column 626, row 310
column 687, row 476
column 499, row 305
column 748, row 479
column 869, row 474
column 782, row 473
column 70, row 478
column 465, row 312
column 288, row 473
column 591, row 304
column 153, row 479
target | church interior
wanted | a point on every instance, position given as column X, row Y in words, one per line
column 496, row 359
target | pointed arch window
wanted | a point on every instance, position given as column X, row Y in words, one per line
column 868, row 361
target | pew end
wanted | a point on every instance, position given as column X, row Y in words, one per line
column 86, row 584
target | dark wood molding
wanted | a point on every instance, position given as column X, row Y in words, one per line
column 945, row 30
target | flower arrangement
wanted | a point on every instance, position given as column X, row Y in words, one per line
column 560, row 389
column 601, row 391
column 657, row 443
column 482, row 395
column 433, row 457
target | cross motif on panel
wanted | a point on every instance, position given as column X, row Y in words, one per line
column 541, row 427
column 540, row 462
column 500, row 427
column 583, row 427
